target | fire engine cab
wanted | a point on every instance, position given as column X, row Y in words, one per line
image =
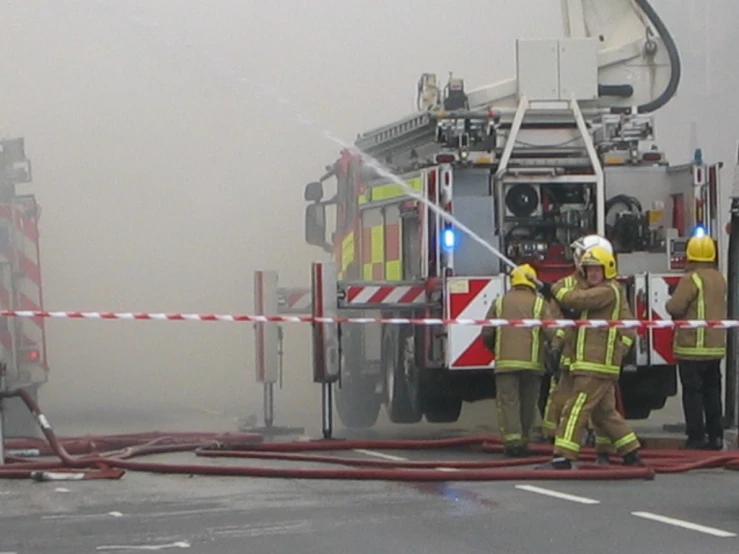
column 565, row 149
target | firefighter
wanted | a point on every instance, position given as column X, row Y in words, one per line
column 519, row 357
column 561, row 387
column 700, row 294
column 596, row 364
column 561, row 384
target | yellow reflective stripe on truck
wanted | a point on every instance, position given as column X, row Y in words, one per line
column 390, row 191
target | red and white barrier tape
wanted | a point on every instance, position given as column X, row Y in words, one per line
column 556, row 323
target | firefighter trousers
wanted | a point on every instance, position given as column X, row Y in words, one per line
column 559, row 391
column 516, row 399
column 595, row 397
column 701, row 382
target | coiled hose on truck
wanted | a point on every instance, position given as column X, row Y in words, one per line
column 108, row 457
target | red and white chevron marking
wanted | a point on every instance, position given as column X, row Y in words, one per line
column 294, row 300
column 661, row 338
column 236, row 318
column 385, row 294
column 21, row 250
column 469, row 298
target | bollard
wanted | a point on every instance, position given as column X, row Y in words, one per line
column 326, row 353
column 267, row 339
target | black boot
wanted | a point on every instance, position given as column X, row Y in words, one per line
column 714, row 444
column 693, row 444
column 603, row 458
column 556, row 463
column 633, row 459
column 514, row 451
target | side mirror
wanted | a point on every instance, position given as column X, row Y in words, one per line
column 315, row 225
column 313, row 192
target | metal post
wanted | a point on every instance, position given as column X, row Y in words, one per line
column 2, row 416
column 267, row 340
column 327, row 411
column 324, row 304
column 732, row 352
column 280, row 352
column 269, row 404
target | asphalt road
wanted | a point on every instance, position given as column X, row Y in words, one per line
column 232, row 515
column 696, row 512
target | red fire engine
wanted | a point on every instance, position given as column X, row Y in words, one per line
column 530, row 164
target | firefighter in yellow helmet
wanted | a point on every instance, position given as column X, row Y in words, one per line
column 519, row 357
column 561, row 385
column 596, row 364
column 700, row 294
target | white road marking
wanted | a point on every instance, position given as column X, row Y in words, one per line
column 555, row 494
column 685, row 524
column 380, row 455
column 84, row 516
column 60, row 489
column 178, row 544
column 258, row 530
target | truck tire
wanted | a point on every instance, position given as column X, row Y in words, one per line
column 402, row 392
column 443, row 409
column 636, row 411
column 356, row 397
column 357, row 403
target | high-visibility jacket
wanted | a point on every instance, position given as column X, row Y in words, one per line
column 599, row 351
column 566, row 334
column 519, row 348
column 700, row 294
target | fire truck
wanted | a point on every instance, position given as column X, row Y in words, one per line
column 565, row 149
column 22, row 340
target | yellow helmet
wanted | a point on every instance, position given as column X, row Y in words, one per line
column 599, row 256
column 701, row 249
column 524, row 275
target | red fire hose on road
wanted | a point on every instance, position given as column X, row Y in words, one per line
column 108, row 457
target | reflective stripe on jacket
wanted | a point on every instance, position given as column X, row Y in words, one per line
column 700, row 294
column 566, row 334
column 598, row 351
column 518, row 348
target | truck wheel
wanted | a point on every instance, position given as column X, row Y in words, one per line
column 401, row 382
column 357, row 403
column 443, row 409
column 634, row 410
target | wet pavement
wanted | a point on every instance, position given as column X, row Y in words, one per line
column 696, row 512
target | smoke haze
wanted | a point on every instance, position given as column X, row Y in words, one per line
column 165, row 183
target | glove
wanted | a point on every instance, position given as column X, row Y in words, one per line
column 546, row 290
column 551, row 361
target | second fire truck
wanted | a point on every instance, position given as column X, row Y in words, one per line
column 22, row 340
column 530, row 164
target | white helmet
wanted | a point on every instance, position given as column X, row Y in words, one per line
column 583, row 244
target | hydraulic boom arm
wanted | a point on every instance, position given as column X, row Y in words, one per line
column 638, row 61
column 638, row 70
